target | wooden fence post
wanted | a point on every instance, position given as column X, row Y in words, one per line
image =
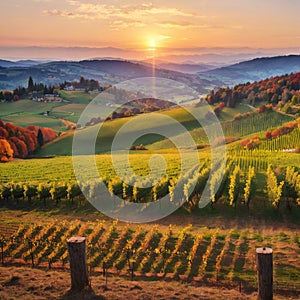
column 265, row 273
column 78, row 264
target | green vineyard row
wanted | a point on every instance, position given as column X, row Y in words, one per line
column 240, row 182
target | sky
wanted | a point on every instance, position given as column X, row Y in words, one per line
column 139, row 24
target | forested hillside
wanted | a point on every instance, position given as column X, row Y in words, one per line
column 282, row 91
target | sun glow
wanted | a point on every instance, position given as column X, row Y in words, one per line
column 152, row 44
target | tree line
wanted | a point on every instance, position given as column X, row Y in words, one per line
column 279, row 90
column 21, row 92
column 16, row 141
column 83, row 83
column 132, row 108
column 254, row 142
column 41, row 88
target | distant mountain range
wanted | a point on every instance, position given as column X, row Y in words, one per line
column 20, row 63
column 106, row 71
column 14, row 74
column 186, row 68
column 207, row 55
column 215, row 59
column 254, row 70
column 65, row 53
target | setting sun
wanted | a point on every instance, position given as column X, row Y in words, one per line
column 152, row 44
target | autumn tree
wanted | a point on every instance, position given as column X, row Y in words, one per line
column 20, row 146
column 268, row 135
column 8, row 96
column 3, row 133
column 6, row 153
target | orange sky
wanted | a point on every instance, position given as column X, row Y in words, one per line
column 134, row 24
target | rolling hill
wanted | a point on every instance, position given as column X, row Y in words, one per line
column 112, row 71
column 6, row 63
column 254, row 70
column 187, row 68
column 19, row 63
column 233, row 128
column 106, row 71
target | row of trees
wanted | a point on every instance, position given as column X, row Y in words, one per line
column 22, row 92
column 9, row 96
column 132, row 108
column 252, row 143
column 282, row 130
column 262, row 109
column 272, row 90
column 38, row 87
column 16, row 141
column 83, row 83
column 43, row 89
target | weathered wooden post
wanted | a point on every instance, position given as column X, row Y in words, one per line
column 78, row 264
column 265, row 273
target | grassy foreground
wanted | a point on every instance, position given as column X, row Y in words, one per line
column 32, row 284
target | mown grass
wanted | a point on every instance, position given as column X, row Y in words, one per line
column 27, row 112
column 79, row 97
column 26, row 107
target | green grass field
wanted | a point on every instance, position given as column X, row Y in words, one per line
column 110, row 128
column 25, row 106
column 27, row 112
column 72, row 112
column 36, row 120
column 78, row 97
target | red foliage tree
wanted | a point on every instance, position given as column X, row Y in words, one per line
column 21, row 147
column 13, row 147
column 219, row 108
column 244, row 143
column 11, row 129
column 22, row 141
column 33, row 128
column 268, row 135
column 6, row 153
column 3, row 133
column 48, row 134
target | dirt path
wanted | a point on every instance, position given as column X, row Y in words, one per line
column 68, row 124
